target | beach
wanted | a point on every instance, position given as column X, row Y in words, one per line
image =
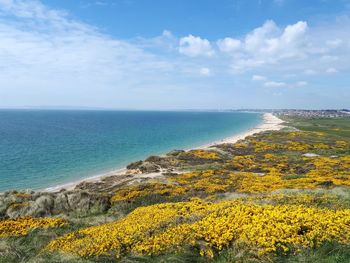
column 269, row 123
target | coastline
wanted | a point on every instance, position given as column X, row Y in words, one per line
column 270, row 122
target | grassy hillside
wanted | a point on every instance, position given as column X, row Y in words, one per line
column 331, row 126
column 278, row 196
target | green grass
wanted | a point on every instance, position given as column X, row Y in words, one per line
column 29, row 248
column 327, row 253
column 339, row 127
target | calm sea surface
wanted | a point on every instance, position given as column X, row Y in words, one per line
column 41, row 148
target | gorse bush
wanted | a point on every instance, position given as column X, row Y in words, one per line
column 210, row 227
column 21, row 226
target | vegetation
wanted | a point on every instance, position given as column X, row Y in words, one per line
column 21, row 226
column 331, row 126
column 210, row 227
column 278, row 196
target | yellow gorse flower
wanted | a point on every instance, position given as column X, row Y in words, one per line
column 210, row 227
column 21, row 226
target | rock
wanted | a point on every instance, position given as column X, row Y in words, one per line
column 154, row 159
column 310, row 155
column 147, row 167
column 134, row 165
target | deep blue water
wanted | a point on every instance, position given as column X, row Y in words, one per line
column 41, row 148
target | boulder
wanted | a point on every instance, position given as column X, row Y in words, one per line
column 310, row 155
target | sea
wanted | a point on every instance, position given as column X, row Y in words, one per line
column 45, row 148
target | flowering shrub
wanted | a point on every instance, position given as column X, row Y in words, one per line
column 210, row 227
column 21, row 226
column 201, row 154
column 324, row 171
column 266, row 228
column 144, row 190
column 120, row 236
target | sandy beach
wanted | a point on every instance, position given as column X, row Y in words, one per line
column 270, row 122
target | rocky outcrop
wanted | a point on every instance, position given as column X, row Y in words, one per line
column 134, row 165
column 149, row 166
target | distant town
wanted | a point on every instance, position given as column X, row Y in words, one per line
column 343, row 113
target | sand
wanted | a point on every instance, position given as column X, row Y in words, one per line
column 270, row 123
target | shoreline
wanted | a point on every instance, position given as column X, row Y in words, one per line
column 269, row 123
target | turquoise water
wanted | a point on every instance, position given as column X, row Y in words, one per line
column 40, row 149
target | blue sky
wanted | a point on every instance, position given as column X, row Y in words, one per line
column 182, row 54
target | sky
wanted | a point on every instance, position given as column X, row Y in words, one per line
column 175, row 54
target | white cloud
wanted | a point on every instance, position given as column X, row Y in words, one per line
column 167, row 33
column 228, row 44
column 293, row 33
column 204, row 71
column 275, row 84
column 331, row 70
column 258, row 78
column 268, row 44
column 257, row 40
column 195, row 46
column 50, row 57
